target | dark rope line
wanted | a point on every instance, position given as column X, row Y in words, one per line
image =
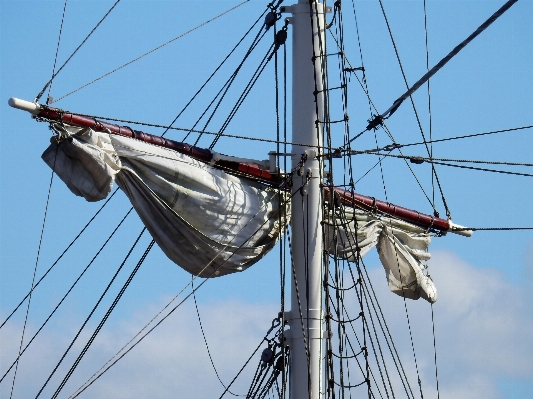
column 419, row 159
column 49, row 99
column 200, row 131
column 67, row 293
column 104, row 369
column 104, row 319
column 433, row 170
column 90, row 314
column 254, row 42
column 243, row 95
column 445, row 60
column 483, row 169
column 34, row 274
column 393, row 146
column 226, row 86
column 60, row 256
column 358, row 342
column 393, row 351
column 350, row 386
column 435, row 351
column 430, row 115
column 75, row 51
column 360, row 294
column 388, row 336
column 244, row 366
column 149, row 52
column 416, row 159
column 205, row 339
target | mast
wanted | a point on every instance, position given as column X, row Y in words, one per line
column 305, row 319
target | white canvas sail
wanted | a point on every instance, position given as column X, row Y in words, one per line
column 207, row 221
column 212, row 223
column 402, row 248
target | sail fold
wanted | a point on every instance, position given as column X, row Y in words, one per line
column 207, row 221
column 402, row 247
column 213, row 223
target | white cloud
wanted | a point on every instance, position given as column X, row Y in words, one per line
column 483, row 329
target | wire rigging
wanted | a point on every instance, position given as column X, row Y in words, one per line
column 205, row 339
column 104, row 319
column 91, row 313
column 148, row 52
column 33, row 277
column 59, row 258
column 75, row 51
column 49, row 98
column 444, row 61
column 67, row 293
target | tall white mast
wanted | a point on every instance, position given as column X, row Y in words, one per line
column 306, row 296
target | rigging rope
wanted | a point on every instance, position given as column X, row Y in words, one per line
column 110, row 363
column 149, row 52
column 419, row 160
column 34, row 274
column 433, row 170
column 205, row 339
column 393, row 146
column 104, row 319
column 91, row 313
column 435, row 351
column 227, row 84
column 60, row 256
column 379, row 119
column 49, row 99
column 75, row 51
column 67, row 293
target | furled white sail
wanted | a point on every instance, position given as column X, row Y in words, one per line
column 212, row 223
column 207, row 221
column 402, row 248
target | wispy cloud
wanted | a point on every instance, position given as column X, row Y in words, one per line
column 483, row 329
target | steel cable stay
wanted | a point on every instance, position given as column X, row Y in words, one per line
column 75, row 51
column 429, row 152
column 131, row 344
column 224, row 90
column 347, row 148
column 388, row 336
column 405, row 80
column 33, row 277
column 67, row 293
column 170, row 126
column 393, row 146
column 60, row 256
column 279, row 40
column 242, row 97
column 205, row 339
column 419, row 160
column 147, row 53
column 91, row 313
column 104, row 319
column 49, row 99
column 220, row 95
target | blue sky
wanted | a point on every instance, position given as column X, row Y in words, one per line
column 486, row 87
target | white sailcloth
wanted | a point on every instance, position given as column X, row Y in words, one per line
column 207, row 221
column 212, row 223
column 401, row 246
